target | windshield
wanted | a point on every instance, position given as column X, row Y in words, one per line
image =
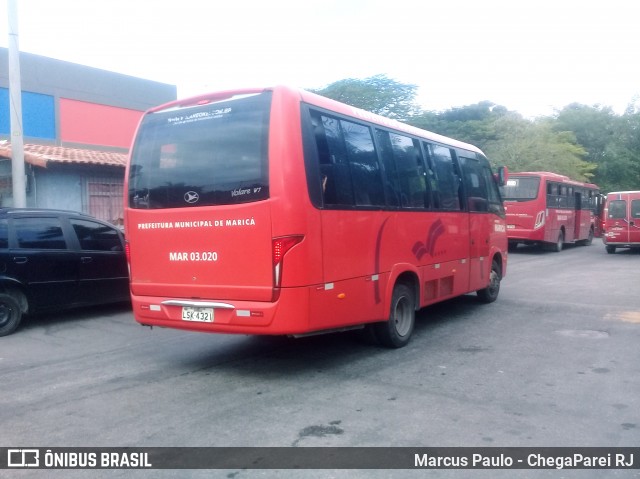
column 521, row 188
column 212, row 154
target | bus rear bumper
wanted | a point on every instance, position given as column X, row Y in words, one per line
column 516, row 235
column 287, row 315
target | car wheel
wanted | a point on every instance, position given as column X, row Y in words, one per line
column 10, row 314
column 396, row 332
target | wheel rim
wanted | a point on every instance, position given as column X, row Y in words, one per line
column 5, row 314
column 402, row 316
column 494, row 283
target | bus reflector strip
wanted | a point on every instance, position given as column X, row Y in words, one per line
column 328, row 286
column 243, row 313
column 155, row 307
column 375, row 277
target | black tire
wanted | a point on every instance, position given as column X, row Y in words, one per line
column 610, row 249
column 10, row 314
column 589, row 239
column 490, row 293
column 396, row 332
column 557, row 246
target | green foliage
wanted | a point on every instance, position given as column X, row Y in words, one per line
column 587, row 143
column 377, row 94
column 612, row 143
column 510, row 140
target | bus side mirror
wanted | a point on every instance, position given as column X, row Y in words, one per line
column 503, row 175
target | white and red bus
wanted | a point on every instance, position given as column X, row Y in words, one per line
column 621, row 220
column 550, row 210
column 280, row 212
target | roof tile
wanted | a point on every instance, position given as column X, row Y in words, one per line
column 41, row 155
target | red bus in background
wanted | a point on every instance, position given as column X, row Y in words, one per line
column 622, row 220
column 277, row 211
column 550, row 210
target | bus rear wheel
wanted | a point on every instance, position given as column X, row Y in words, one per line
column 396, row 332
column 557, row 246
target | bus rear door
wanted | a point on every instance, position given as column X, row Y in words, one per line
column 622, row 222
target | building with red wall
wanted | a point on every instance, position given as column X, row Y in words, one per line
column 78, row 124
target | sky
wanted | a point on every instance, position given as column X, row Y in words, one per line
column 533, row 57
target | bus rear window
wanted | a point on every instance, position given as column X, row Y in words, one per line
column 520, row 188
column 618, row 209
column 213, row 154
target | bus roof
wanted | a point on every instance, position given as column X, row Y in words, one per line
column 320, row 101
column 632, row 192
column 555, row 177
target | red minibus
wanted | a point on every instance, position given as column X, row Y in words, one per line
column 276, row 211
column 622, row 220
column 550, row 210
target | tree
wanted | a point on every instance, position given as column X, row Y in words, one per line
column 523, row 145
column 612, row 142
column 509, row 139
column 377, row 94
column 472, row 123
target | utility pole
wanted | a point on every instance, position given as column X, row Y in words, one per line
column 15, row 105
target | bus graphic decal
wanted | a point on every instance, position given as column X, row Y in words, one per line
column 376, row 288
column 435, row 231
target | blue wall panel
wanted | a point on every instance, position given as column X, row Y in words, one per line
column 4, row 111
column 38, row 114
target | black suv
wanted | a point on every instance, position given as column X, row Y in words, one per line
column 52, row 259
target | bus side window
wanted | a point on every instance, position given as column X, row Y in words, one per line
column 563, row 201
column 430, row 176
column 475, row 186
column 363, row 163
column 552, row 195
column 349, row 170
column 334, row 169
column 447, row 181
column 391, row 186
column 410, row 181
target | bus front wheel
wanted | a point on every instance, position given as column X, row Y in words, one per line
column 490, row 293
column 396, row 332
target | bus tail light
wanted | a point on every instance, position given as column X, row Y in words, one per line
column 280, row 247
column 539, row 220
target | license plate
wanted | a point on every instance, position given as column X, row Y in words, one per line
column 202, row 315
